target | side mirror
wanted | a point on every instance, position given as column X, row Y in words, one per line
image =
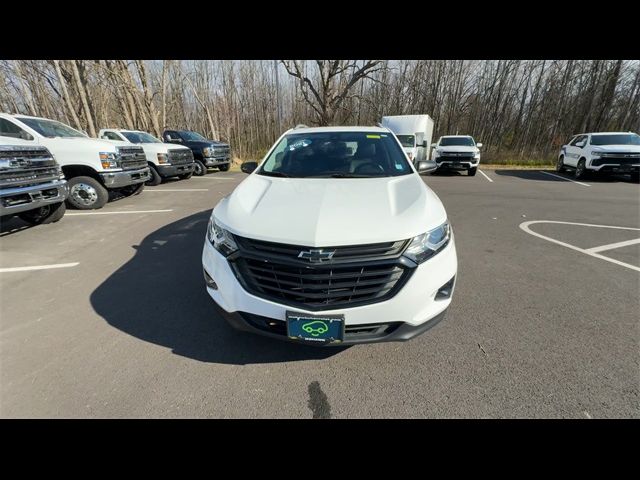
column 248, row 167
column 425, row 144
column 479, row 145
column 25, row 136
column 427, row 167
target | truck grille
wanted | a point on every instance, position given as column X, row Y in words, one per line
column 456, row 156
column 221, row 151
column 24, row 166
column 132, row 158
column 180, row 156
column 356, row 275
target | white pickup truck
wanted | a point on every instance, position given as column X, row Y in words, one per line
column 92, row 167
column 603, row 152
column 164, row 159
column 457, row 152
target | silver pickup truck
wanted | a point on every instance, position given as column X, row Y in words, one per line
column 32, row 185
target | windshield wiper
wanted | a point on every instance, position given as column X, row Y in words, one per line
column 348, row 175
column 275, row 174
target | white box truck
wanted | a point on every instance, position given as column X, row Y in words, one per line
column 414, row 132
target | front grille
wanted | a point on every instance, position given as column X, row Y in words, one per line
column 26, row 166
column 617, row 159
column 456, row 156
column 222, row 151
column 356, row 275
column 180, row 157
column 132, row 158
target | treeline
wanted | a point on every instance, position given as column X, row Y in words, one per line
column 521, row 110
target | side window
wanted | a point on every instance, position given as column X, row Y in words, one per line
column 10, row 129
column 578, row 139
column 170, row 135
column 111, row 136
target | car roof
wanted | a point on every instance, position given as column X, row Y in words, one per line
column 457, row 136
column 604, row 133
column 337, row 129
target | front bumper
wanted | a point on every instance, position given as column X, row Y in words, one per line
column 615, row 168
column 215, row 161
column 457, row 164
column 125, row 177
column 175, row 170
column 21, row 199
column 410, row 312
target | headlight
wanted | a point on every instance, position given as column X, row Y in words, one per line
column 207, row 151
column 109, row 160
column 428, row 244
column 596, row 154
column 435, row 153
column 476, row 156
column 60, row 173
column 163, row 158
column 220, row 239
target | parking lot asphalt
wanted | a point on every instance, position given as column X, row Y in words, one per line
column 540, row 325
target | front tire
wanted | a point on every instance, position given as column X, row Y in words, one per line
column 472, row 171
column 224, row 168
column 155, row 179
column 199, row 169
column 560, row 164
column 86, row 193
column 581, row 169
column 45, row 214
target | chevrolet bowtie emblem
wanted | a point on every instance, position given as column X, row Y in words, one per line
column 317, row 255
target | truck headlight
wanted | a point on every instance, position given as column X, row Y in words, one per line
column 428, row 244
column 596, row 154
column 207, row 151
column 220, row 239
column 109, row 160
column 476, row 156
column 163, row 158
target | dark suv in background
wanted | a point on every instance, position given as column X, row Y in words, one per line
column 207, row 153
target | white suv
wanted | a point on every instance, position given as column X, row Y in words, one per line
column 457, row 152
column 605, row 152
column 333, row 239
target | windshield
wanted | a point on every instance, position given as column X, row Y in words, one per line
column 337, row 155
column 457, row 141
column 407, row 140
column 192, row 136
column 630, row 139
column 140, row 137
column 50, row 128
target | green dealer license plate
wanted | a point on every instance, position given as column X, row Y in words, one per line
column 315, row 328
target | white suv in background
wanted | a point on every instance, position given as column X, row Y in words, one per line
column 457, row 152
column 602, row 152
column 333, row 239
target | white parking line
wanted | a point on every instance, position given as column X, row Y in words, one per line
column 565, row 178
column 611, row 246
column 177, row 190
column 116, row 213
column 38, row 267
column 485, row 175
column 525, row 226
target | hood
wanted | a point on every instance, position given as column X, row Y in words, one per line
column 616, row 148
column 209, row 143
column 330, row 212
column 458, row 148
column 155, row 148
column 87, row 143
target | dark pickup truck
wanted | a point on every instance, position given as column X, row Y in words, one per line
column 206, row 153
column 32, row 185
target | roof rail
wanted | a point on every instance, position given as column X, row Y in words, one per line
column 300, row 125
